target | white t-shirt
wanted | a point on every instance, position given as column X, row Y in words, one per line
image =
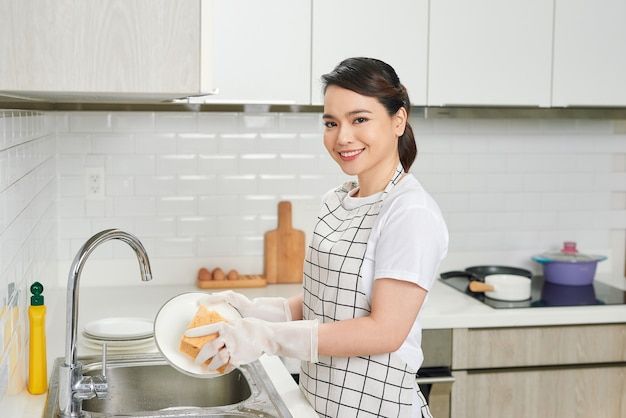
column 408, row 242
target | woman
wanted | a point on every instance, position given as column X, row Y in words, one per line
column 373, row 256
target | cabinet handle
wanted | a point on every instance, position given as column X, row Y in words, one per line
column 434, row 380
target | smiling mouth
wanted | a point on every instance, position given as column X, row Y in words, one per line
column 350, row 155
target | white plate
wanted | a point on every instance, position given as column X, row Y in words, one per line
column 117, row 343
column 117, row 349
column 120, row 328
column 171, row 322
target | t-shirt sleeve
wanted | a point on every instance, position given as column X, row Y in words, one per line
column 412, row 243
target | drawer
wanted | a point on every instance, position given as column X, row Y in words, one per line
column 483, row 348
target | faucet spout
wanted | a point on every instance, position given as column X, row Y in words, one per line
column 68, row 405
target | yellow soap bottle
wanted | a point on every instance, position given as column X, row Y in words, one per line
column 37, row 363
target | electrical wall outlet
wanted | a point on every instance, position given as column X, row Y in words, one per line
column 94, row 183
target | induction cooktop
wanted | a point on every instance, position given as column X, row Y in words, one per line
column 544, row 294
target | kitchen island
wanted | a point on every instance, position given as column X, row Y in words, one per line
column 445, row 308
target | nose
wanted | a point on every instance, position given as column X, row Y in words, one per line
column 345, row 134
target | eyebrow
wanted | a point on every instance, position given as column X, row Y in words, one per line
column 353, row 112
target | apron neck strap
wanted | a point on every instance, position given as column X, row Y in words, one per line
column 397, row 175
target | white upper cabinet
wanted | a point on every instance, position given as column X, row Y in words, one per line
column 490, row 52
column 262, row 51
column 590, row 53
column 395, row 32
column 104, row 49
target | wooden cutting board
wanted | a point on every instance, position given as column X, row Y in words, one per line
column 284, row 249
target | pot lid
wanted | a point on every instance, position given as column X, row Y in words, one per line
column 568, row 254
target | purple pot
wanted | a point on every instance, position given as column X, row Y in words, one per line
column 568, row 266
column 568, row 273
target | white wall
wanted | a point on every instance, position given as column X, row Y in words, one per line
column 200, row 189
column 27, row 232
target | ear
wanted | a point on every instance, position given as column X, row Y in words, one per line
column 399, row 121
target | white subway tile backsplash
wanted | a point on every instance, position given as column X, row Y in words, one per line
column 259, row 122
column 196, row 143
column 132, row 121
column 218, row 205
column 177, row 205
column 112, row 222
column 174, row 247
column 177, row 164
column 300, row 122
column 196, row 184
column 75, row 227
column 192, row 226
column 89, row 121
column 255, row 204
column 112, row 144
column 155, row 185
column 237, row 184
column 135, row 206
column 155, row 143
column 217, row 246
column 71, row 186
column 218, row 122
column 99, row 208
column 258, row 163
column 310, row 144
column 270, row 183
column 250, row 245
column 218, row 164
column 156, row 227
column 119, row 185
column 207, row 183
column 73, row 143
column 237, row 143
column 71, row 207
column 131, row 164
column 237, row 225
column 176, row 122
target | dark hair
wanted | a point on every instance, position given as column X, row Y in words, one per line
column 375, row 78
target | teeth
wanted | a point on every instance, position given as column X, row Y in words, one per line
column 350, row 153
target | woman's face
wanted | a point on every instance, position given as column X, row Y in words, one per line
column 359, row 134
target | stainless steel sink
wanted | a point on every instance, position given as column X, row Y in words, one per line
column 146, row 386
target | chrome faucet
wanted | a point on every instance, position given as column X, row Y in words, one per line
column 73, row 386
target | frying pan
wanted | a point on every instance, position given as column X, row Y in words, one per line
column 497, row 282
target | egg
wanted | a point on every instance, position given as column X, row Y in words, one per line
column 218, row 274
column 204, row 275
column 232, row 275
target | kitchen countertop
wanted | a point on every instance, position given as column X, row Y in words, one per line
column 445, row 308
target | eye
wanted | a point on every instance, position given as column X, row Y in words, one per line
column 329, row 124
column 360, row 120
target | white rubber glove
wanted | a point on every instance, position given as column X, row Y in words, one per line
column 245, row 340
column 269, row 309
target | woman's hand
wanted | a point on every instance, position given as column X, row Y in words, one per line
column 273, row 309
column 245, row 340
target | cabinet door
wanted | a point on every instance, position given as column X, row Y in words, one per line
column 555, row 393
column 110, row 48
column 395, row 32
column 589, row 53
column 490, row 52
column 262, row 51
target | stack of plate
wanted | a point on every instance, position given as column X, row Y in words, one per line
column 121, row 335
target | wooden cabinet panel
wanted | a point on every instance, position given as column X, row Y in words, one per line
column 576, row 392
column 536, row 346
column 105, row 47
column 490, row 52
column 395, row 32
column 589, row 53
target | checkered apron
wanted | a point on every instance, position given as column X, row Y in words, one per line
column 365, row 386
